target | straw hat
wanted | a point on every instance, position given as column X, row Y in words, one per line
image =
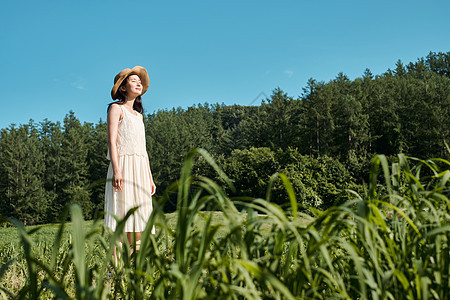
column 139, row 71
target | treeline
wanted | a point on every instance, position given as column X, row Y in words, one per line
column 323, row 140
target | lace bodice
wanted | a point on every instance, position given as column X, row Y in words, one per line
column 131, row 134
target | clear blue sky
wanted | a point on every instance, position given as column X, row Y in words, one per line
column 57, row 56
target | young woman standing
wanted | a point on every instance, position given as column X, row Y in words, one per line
column 129, row 180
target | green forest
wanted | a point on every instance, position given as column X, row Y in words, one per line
column 323, row 138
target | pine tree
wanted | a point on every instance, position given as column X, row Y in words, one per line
column 317, row 124
column 74, row 168
column 22, row 167
column 383, row 117
column 439, row 63
column 280, row 121
column 98, row 165
column 51, row 140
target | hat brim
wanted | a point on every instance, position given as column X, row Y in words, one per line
column 137, row 70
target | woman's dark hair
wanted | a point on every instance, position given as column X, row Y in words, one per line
column 122, row 98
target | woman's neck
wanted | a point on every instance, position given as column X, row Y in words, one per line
column 129, row 103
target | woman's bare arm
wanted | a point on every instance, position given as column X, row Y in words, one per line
column 114, row 117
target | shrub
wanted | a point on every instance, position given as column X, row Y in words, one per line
column 318, row 183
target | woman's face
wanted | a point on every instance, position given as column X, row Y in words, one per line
column 133, row 87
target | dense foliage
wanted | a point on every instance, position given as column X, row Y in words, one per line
column 317, row 182
column 47, row 165
column 391, row 242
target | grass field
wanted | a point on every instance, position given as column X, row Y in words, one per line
column 46, row 233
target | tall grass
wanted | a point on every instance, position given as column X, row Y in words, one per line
column 389, row 243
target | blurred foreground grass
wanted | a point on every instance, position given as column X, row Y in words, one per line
column 392, row 242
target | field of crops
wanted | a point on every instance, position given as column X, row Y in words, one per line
column 392, row 242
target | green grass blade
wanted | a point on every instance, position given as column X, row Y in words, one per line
column 78, row 248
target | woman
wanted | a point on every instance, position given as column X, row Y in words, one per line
column 129, row 180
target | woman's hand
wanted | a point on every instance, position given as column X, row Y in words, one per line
column 153, row 188
column 117, row 181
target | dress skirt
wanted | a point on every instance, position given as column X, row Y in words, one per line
column 136, row 192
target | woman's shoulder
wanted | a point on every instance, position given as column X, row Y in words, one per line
column 115, row 109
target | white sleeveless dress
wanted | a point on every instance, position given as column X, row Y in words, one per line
column 135, row 167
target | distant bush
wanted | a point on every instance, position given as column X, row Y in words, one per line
column 318, row 182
